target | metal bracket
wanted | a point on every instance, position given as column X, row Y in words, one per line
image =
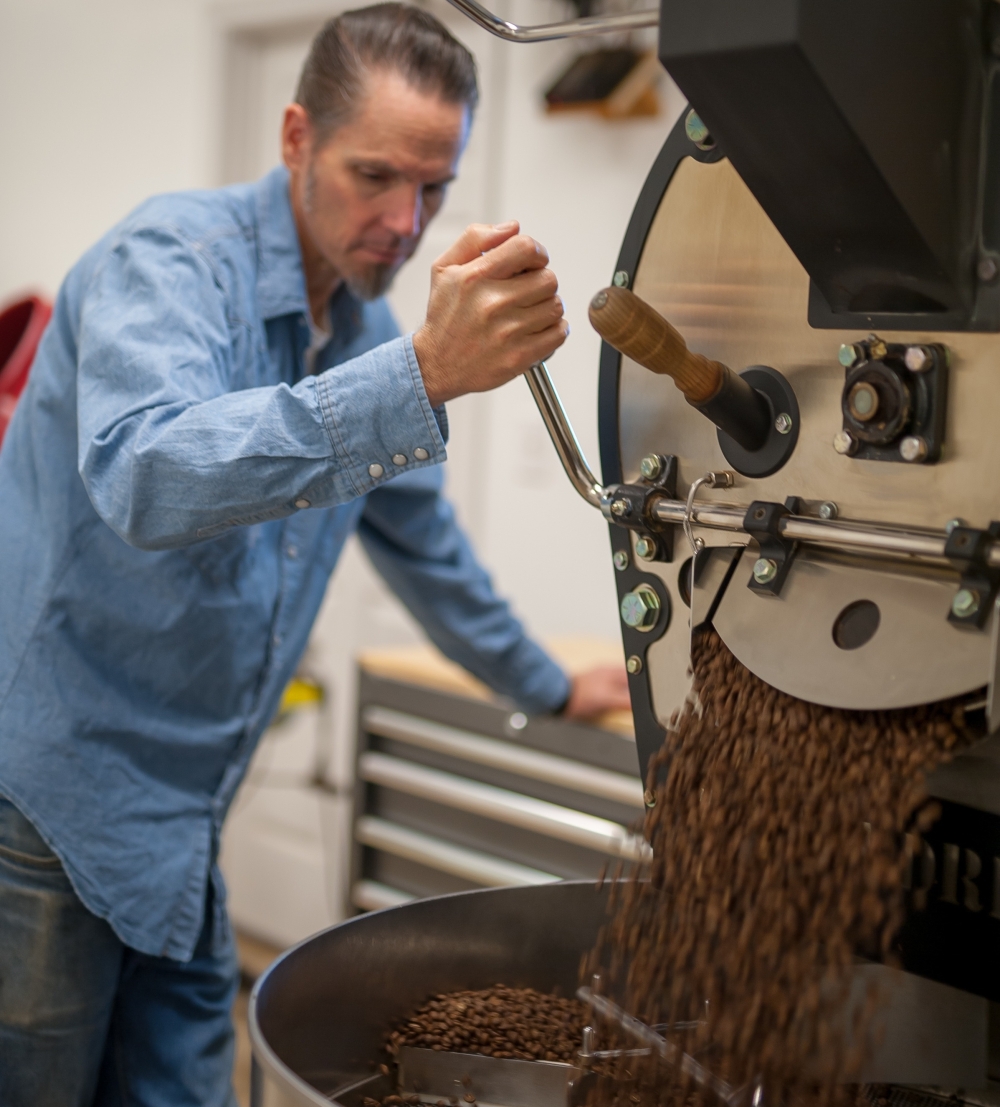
column 631, row 505
column 967, row 549
column 762, row 522
column 913, row 378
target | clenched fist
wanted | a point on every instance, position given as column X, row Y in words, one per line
column 493, row 312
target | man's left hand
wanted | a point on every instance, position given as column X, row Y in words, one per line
column 596, row 691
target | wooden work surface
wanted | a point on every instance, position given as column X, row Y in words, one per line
column 423, row 665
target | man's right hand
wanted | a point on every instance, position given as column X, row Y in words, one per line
column 493, row 312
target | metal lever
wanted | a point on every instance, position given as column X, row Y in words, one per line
column 638, row 331
column 545, row 32
column 563, row 438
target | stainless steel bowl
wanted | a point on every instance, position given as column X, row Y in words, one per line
column 319, row 1015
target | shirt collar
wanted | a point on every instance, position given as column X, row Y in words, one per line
column 281, row 286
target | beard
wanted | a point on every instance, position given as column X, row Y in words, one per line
column 370, row 281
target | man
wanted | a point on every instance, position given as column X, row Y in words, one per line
column 221, row 399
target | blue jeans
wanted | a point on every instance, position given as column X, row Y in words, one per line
column 85, row 1021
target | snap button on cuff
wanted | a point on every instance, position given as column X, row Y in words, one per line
column 421, row 454
column 301, row 502
column 375, row 470
column 399, row 459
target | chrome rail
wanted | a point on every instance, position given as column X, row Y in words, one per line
column 545, row 32
column 501, row 805
column 839, row 534
column 507, row 756
column 434, row 853
column 836, row 534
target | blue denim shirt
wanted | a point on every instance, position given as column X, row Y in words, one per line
column 174, row 493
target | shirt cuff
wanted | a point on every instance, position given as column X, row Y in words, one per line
column 378, row 417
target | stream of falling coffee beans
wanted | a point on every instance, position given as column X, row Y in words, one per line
column 780, row 840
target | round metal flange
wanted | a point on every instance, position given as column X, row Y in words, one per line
column 784, row 435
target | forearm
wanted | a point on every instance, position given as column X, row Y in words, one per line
column 414, row 542
column 168, row 475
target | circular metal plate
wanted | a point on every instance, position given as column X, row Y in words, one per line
column 779, row 447
column 716, row 268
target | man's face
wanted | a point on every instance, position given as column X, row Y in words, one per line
column 363, row 198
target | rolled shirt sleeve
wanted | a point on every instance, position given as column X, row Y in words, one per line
column 412, row 536
column 172, row 449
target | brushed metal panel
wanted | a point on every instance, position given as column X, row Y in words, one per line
column 714, row 265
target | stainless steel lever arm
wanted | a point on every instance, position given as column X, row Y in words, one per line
column 544, row 32
column 563, row 438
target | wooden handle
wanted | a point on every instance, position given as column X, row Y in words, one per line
column 637, row 331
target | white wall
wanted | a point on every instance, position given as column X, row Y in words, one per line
column 106, row 102
column 103, row 103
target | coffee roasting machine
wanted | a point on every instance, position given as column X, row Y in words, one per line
column 799, row 388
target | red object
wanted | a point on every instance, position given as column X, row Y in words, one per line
column 21, row 327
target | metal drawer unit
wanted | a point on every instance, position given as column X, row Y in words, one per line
column 454, row 794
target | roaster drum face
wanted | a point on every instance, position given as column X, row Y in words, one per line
column 849, row 627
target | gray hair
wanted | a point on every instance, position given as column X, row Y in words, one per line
column 392, row 36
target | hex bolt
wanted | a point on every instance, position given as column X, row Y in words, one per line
column 918, row 359
column 765, row 569
column 986, row 270
column 620, row 508
column 952, row 524
column 620, row 279
column 844, row 443
column 634, row 665
column 651, row 466
column 640, row 608
column 783, row 424
column 645, row 547
column 697, row 132
column 851, row 354
column 913, row 448
column 828, row 510
column 649, row 798
column 621, row 560
column 965, row 603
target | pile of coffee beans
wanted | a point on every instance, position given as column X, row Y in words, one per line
column 780, row 836
column 500, row 1022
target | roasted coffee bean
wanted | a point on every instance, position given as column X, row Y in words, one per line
column 499, row 1022
column 779, row 837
